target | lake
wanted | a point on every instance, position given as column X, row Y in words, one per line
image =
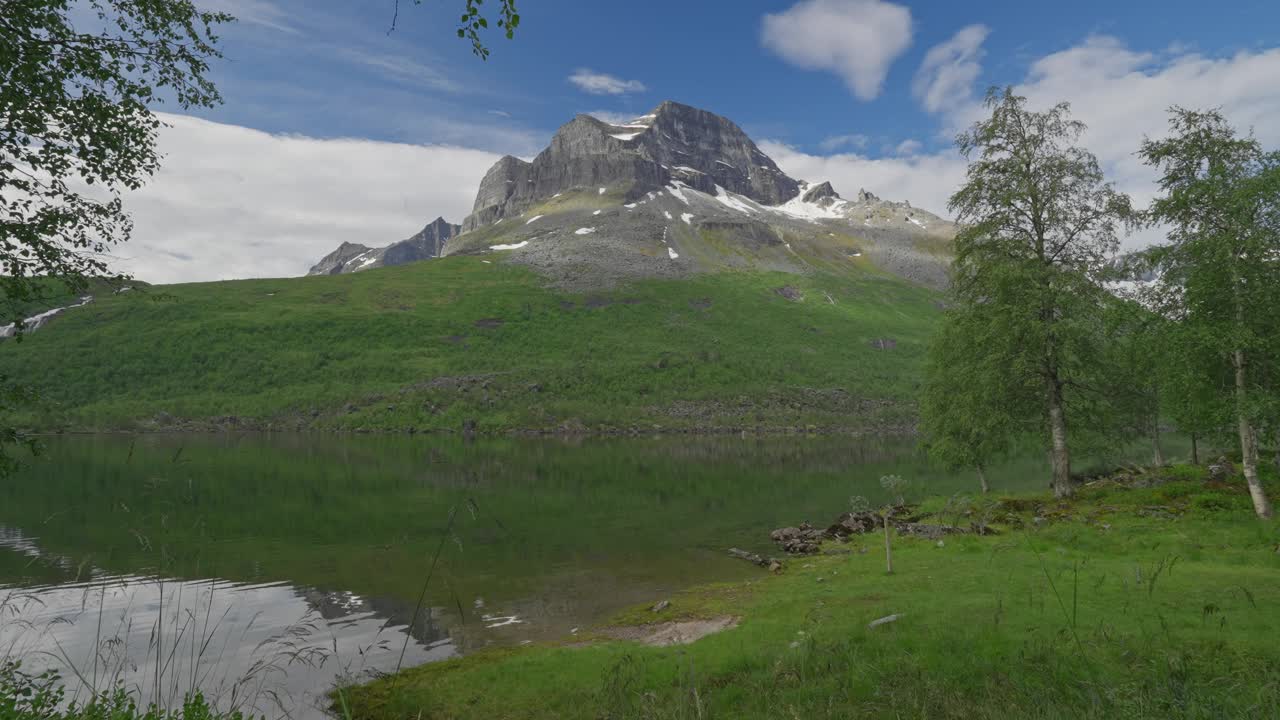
column 262, row 568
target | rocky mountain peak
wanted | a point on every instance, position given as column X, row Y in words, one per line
column 719, row 153
column 674, row 143
column 427, row 243
column 820, row 192
column 333, row 263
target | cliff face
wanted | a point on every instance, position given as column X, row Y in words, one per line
column 673, row 143
column 717, row 152
column 500, row 185
column 426, row 244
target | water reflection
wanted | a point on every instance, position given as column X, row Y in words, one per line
column 270, row 649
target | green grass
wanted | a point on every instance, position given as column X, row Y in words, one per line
column 421, row 346
column 54, row 293
column 1123, row 603
column 29, row 696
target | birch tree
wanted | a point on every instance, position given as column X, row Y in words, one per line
column 1037, row 224
column 1220, row 203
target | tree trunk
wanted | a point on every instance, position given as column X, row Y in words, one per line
column 1059, row 455
column 1249, row 442
column 888, row 548
column 982, row 478
column 1278, row 452
column 1195, row 450
column 1157, row 454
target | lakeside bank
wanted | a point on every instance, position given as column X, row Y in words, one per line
column 1154, row 594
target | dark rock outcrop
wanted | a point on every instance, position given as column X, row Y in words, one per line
column 803, row 540
column 428, row 243
column 806, row 539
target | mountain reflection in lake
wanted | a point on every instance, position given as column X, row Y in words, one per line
column 264, row 567
column 271, row 649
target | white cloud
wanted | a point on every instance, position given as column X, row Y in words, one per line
column 1124, row 95
column 231, row 202
column 835, row 142
column 253, row 12
column 1121, row 94
column 946, row 76
column 856, row 39
column 596, row 83
column 402, row 69
column 908, row 147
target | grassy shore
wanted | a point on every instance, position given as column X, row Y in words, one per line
column 1151, row 595
column 430, row 346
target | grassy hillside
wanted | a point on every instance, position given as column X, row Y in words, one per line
column 431, row 345
column 55, row 293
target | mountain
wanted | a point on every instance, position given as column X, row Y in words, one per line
column 671, row 193
column 662, row 273
column 353, row 257
column 673, row 143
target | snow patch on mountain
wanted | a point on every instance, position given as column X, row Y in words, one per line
column 798, row 208
column 677, row 189
column 513, row 246
column 733, row 201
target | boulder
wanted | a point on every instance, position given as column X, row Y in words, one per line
column 803, row 540
column 1222, row 469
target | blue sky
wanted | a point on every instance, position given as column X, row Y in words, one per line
column 335, row 131
column 327, row 68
